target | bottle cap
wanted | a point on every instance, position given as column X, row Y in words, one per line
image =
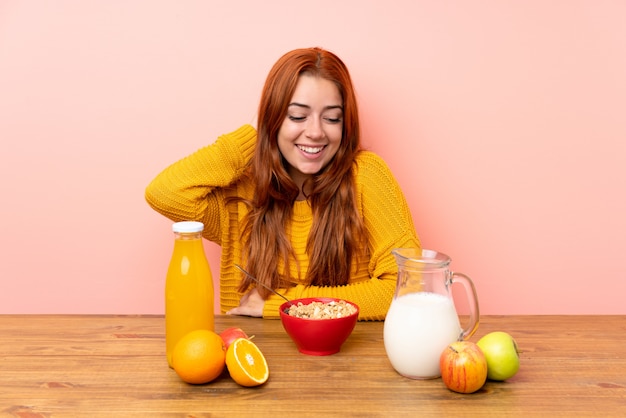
column 188, row 226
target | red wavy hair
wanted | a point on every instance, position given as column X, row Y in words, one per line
column 337, row 226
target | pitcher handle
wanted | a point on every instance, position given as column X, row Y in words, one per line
column 472, row 298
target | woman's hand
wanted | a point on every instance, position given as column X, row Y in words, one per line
column 251, row 304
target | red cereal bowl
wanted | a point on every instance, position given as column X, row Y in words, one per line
column 318, row 337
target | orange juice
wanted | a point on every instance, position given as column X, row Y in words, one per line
column 188, row 287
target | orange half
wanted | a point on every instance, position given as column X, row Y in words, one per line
column 246, row 364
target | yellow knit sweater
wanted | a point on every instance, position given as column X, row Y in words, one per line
column 196, row 188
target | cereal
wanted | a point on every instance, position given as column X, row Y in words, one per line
column 320, row 310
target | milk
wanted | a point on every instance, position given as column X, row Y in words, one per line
column 417, row 328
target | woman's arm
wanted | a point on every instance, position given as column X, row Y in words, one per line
column 186, row 189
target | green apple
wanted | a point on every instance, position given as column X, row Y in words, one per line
column 502, row 355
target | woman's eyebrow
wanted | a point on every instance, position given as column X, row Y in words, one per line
column 308, row 107
column 299, row 105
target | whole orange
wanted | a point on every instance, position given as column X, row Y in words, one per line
column 199, row 357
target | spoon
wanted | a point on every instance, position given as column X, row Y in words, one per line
column 265, row 286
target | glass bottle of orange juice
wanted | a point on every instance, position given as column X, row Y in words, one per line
column 188, row 286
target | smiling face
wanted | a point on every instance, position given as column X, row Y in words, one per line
column 311, row 132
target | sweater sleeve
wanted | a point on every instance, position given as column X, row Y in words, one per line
column 190, row 189
column 389, row 225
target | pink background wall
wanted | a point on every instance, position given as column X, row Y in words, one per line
column 504, row 122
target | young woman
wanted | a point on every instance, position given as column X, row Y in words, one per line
column 297, row 203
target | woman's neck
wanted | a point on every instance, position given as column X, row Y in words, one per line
column 299, row 179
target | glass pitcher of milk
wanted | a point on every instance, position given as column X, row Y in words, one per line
column 422, row 319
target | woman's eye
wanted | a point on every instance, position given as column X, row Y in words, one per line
column 333, row 120
column 303, row 118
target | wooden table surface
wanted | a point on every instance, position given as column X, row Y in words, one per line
column 114, row 366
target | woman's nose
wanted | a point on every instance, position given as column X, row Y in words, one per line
column 314, row 128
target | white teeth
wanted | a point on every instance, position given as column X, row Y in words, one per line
column 310, row 150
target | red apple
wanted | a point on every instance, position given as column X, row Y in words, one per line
column 231, row 334
column 463, row 367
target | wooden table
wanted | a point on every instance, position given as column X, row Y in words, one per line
column 115, row 366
